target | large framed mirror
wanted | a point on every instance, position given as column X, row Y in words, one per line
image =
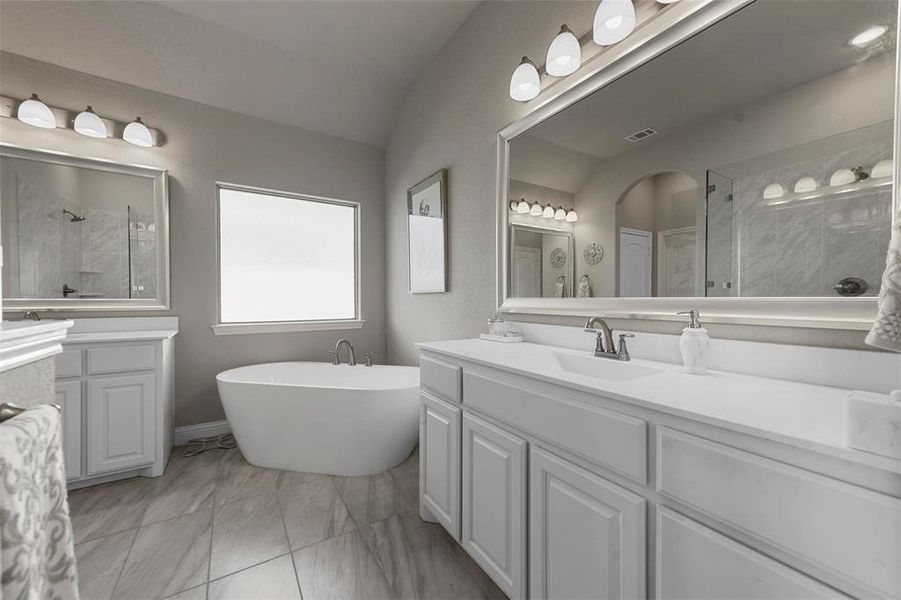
column 82, row 234
column 740, row 162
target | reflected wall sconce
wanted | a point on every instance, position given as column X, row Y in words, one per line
column 535, row 209
column 868, row 36
column 571, row 216
column 548, row 212
column 842, row 176
column 523, row 207
column 882, row 169
column 33, row 111
column 614, row 20
column 564, row 56
column 774, row 190
column 525, row 83
column 88, row 123
column 36, row 113
column 560, row 214
column 805, row 184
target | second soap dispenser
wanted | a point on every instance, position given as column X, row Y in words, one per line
column 693, row 344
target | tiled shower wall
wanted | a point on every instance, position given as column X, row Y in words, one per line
column 804, row 247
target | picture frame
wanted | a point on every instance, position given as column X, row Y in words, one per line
column 427, row 235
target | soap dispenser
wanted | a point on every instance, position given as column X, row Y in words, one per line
column 693, row 344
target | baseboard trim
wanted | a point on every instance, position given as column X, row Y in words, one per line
column 189, row 432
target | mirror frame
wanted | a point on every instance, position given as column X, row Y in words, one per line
column 665, row 30
column 160, row 180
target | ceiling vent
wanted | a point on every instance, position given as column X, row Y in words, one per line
column 641, row 135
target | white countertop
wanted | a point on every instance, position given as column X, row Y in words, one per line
column 798, row 414
column 22, row 342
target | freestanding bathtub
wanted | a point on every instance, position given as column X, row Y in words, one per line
column 322, row 418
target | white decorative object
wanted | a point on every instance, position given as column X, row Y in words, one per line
column 614, row 20
column 884, row 168
column 504, row 339
column 874, row 422
column 843, row 176
column 323, row 418
column 564, row 56
column 525, row 83
column 138, row 134
column 558, row 257
column 694, row 344
column 584, row 287
column 593, row 253
column 88, row 123
column 886, row 331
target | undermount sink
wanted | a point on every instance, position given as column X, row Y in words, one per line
column 602, row 368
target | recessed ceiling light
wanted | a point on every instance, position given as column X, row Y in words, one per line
column 868, row 36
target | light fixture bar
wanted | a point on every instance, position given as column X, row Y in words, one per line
column 65, row 119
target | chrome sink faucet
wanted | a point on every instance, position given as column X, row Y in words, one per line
column 352, row 361
column 604, row 347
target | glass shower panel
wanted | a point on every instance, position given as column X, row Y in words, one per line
column 142, row 271
column 720, row 251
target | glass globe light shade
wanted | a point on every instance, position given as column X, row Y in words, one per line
column 138, row 134
column 523, row 207
column 88, row 123
column 564, row 56
column 805, row 184
column 614, row 20
column 548, row 212
column 560, row 215
column 525, row 82
column 36, row 113
column 571, row 216
column 774, row 190
column 535, row 210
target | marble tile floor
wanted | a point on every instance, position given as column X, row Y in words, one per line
column 215, row 527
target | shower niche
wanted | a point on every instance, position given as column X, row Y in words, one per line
column 81, row 233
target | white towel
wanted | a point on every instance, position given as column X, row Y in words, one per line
column 37, row 558
column 886, row 331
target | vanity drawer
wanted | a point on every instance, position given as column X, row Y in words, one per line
column 837, row 528
column 116, row 359
column 696, row 562
column 441, row 378
column 68, row 363
column 610, row 439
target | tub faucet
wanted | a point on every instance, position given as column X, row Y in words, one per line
column 351, row 360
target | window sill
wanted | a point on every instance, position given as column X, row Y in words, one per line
column 285, row 327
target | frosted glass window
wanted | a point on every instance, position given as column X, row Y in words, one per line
column 286, row 258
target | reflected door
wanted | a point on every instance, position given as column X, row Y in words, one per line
column 634, row 263
column 526, row 273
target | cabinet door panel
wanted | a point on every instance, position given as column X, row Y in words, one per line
column 494, row 511
column 439, row 462
column 587, row 535
column 120, row 422
column 68, row 397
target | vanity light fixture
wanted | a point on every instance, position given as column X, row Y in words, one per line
column 34, row 112
column 774, row 190
column 138, row 134
column 882, row 169
column 560, row 214
column 536, row 209
column 564, row 56
column 548, row 212
column 571, row 216
column 805, row 184
column 614, row 20
column 523, row 207
column 88, row 123
column 525, row 82
column 868, row 36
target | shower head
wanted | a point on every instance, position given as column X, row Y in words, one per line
column 74, row 218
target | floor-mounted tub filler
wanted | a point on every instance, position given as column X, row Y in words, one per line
column 322, row 418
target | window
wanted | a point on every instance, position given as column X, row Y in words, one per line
column 287, row 262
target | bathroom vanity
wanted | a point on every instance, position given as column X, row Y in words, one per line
column 568, row 476
column 114, row 382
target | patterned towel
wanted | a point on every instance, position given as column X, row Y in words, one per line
column 886, row 331
column 37, row 558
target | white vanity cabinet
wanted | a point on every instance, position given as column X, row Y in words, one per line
column 564, row 492
column 114, row 383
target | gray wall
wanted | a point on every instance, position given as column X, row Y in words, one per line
column 205, row 145
column 449, row 118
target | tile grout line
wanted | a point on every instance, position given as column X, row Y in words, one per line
column 281, row 512
column 125, row 561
